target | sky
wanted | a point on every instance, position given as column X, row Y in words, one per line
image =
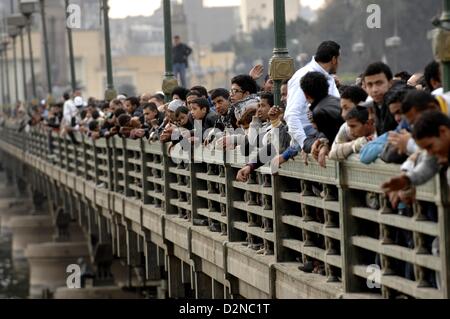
column 122, row 9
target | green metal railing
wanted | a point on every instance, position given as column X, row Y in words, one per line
column 335, row 219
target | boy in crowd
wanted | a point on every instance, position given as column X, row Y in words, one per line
column 324, row 114
column 201, row 112
column 394, row 146
column 225, row 112
column 377, row 82
column 243, row 93
column 350, row 98
column 362, row 129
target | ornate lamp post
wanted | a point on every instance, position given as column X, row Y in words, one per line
column 13, row 32
column 28, row 8
column 73, row 76
column 4, row 44
column 19, row 21
column 281, row 64
column 47, row 53
column 440, row 43
column 2, row 77
column 110, row 92
column 169, row 82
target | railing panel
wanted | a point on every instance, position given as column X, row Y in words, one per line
column 333, row 221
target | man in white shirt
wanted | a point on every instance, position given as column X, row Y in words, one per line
column 69, row 111
column 326, row 61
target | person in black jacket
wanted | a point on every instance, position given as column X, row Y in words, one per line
column 201, row 112
column 180, row 55
column 132, row 105
column 325, row 115
column 53, row 121
column 152, row 119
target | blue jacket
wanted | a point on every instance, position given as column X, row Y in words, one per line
column 372, row 150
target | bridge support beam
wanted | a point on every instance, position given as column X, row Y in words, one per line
column 203, row 286
column 218, row 290
column 27, row 230
column 176, row 287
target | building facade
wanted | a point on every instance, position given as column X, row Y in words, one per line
column 258, row 14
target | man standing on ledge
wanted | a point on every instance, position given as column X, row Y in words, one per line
column 180, row 54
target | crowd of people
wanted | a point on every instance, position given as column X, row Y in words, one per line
column 398, row 118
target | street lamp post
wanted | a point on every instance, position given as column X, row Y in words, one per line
column 17, row 23
column 440, row 46
column 2, row 76
column 28, row 7
column 6, row 62
column 169, row 82
column 13, row 33
column 445, row 21
column 73, row 76
column 47, row 53
column 110, row 93
column 281, row 64
column 24, row 66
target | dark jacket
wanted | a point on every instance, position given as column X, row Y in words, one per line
column 327, row 116
column 180, row 53
column 55, row 121
column 139, row 112
column 226, row 121
column 208, row 124
column 385, row 121
column 269, row 151
column 390, row 153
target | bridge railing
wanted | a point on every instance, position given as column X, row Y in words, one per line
column 335, row 221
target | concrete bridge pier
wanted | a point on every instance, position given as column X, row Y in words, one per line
column 14, row 200
column 153, row 271
column 187, row 280
column 20, row 186
column 49, row 264
column 203, row 286
column 36, row 226
column 163, row 289
column 108, row 277
column 6, row 186
column 29, row 229
column 218, row 290
column 12, row 207
column 175, row 281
